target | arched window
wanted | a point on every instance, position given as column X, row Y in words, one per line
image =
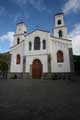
column 30, row 46
column 60, row 34
column 44, row 44
column 18, row 59
column 60, row 57
column 37, row 43
column 18, row 40
column 59, row 22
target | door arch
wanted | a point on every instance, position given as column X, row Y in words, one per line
column 36, row 69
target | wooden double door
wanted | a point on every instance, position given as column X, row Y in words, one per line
column 36, row 69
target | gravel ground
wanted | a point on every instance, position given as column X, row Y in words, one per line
column 39, row 100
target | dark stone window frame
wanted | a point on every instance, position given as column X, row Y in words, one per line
column 44, row 44
column 60, row 33
column 37, row 44
column 18, row 40
column 59, row 22
column 18, row 59
column 30, row 46
column 60, row 56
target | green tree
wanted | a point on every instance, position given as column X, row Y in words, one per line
column 77, row 63
column 3, row 66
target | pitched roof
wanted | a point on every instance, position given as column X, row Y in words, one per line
column 38, row 30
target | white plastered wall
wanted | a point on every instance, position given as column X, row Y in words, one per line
column 14, row 52
column 31, row 37
column 41, row 54
column 63, row 29
column 59, row 67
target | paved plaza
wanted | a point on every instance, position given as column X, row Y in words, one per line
column 39, row 100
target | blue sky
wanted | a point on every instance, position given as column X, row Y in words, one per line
column 38, row 13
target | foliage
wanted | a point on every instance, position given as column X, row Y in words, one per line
column 77, row 63
column 5, row 57
column 14, row 76
column 54, row 77
column 3, row 66
column 76, row 59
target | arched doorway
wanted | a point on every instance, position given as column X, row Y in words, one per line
column 36, row 69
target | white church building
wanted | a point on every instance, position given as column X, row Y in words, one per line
column 39, row 54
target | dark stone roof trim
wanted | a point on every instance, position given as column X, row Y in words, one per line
column 62, row 38
column 59, row 14
column 20, row 23
column 38, row 30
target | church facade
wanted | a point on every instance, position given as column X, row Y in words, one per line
column 39, row 54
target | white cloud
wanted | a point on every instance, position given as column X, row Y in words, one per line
column 75, row 36
column 38, row 4
column 7, row 37
column 20, row 3
column 71, row 5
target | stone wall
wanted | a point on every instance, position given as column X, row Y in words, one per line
column 45, row 76
column 15, row 75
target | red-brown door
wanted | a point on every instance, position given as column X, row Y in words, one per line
column 36, row 69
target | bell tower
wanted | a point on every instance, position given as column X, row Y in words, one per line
column 19, row 36
column 60, row 30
